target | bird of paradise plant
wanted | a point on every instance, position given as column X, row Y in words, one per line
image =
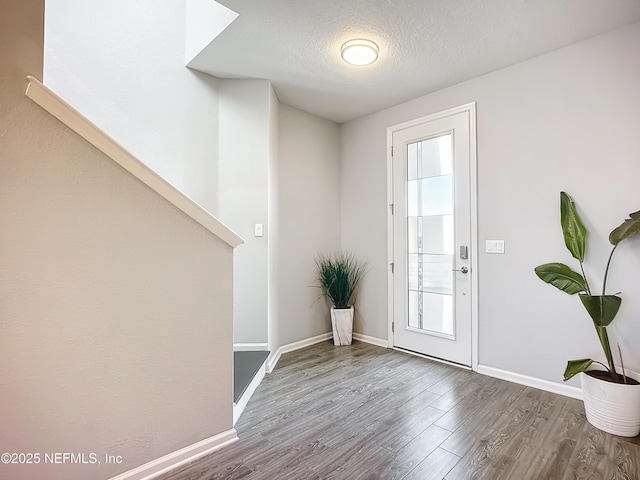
column 602, row 308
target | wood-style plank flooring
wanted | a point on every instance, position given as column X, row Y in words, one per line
column 365, row 412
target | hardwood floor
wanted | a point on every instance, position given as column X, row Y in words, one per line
column 365, row 412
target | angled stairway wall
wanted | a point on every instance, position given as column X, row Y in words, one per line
column 115, row 307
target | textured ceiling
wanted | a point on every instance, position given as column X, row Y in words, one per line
column 425, row 45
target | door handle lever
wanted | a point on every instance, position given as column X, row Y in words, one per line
column 462, row 270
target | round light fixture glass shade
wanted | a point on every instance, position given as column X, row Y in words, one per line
column 359, row 52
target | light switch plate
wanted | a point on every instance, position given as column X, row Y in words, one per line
column 494, row 246
column 258, row 230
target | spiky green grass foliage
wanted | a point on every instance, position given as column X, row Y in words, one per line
column 339, row 276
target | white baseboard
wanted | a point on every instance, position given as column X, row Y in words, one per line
column 239, row 407
column 250, row 347
column 180, row 457
column 553, row 387
column 275, row 356
column 372, row 340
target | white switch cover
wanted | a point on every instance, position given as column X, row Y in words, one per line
column 494, row 246
column 258, row 230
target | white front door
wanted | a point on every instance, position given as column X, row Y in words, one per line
column 432, row 241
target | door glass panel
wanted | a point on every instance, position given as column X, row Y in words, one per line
column 430, row 196
column 413, row 234
column 436, row 274
column 415, row 276
column 412, row 161
column 430, row 235
column 435, row 156
column 414, row 316
column 437, row 234
column 436, row 195
column 437, row 313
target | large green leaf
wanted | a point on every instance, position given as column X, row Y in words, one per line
column 562, row 277
column 629, row 228
column 575, row 367
column 603, row 336
column 573, row 229
column 602, row 308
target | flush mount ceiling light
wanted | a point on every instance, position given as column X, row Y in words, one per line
column 359, row 52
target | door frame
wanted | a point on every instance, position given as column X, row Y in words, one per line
column 470, row 109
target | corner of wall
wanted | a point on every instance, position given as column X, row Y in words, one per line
column 273, row 230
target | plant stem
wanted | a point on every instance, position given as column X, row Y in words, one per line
column 624, row 375
column 604, row 340
column 586, row 282
column 606, row 272
column 600, row 363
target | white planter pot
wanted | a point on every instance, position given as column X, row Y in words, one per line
column 342, row 325
column 612, row 407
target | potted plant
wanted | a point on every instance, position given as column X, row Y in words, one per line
column 339, row 276
column 611, row 396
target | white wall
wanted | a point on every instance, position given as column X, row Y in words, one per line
column 204, row 21
column 243, row 197
column 568, row 120
column 308, row 219
column 121, row 63
column 115, row 308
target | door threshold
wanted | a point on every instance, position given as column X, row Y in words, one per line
column 435, row 359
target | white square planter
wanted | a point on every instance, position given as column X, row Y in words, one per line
column 342, row 325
